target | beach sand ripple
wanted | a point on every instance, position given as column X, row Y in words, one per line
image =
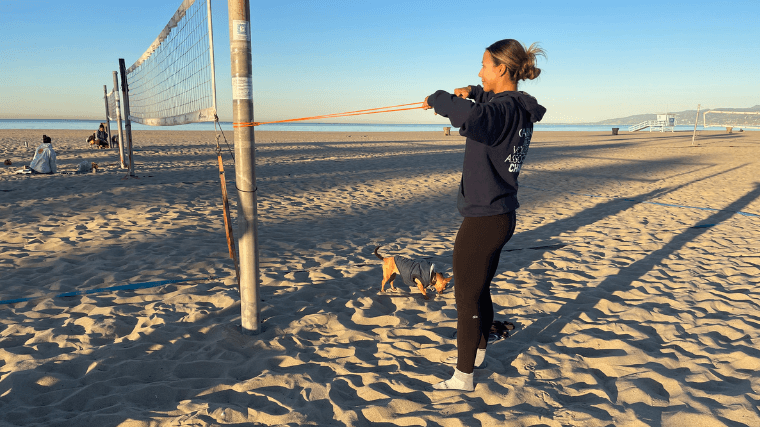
column 632, row 279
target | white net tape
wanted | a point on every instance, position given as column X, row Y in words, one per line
column 171, row 82
column 736, row 119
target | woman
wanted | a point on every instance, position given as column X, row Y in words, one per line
column 498, row 126
column 102, row 137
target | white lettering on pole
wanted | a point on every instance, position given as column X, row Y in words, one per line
column 241, row 30
column 242, row 88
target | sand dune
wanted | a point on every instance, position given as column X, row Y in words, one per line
column 632, row 279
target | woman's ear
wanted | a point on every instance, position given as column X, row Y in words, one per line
column 502, row 70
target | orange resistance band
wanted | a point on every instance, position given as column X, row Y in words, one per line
column 346, row 114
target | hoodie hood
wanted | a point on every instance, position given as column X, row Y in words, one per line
column 528, row 102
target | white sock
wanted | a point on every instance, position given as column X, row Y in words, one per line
column 480, row 358
column 459, row 381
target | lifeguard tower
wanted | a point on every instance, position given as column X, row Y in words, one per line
column 663, row 122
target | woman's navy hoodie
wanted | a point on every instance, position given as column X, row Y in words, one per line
column 498, row 128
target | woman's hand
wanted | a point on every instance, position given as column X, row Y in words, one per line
column 425, row 105
column 462, row 92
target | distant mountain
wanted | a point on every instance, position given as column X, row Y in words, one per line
column 682, row 117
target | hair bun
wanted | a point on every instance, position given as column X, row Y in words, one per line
column 528, row 72
column 520, row 62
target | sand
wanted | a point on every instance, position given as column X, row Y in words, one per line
column 632, row 279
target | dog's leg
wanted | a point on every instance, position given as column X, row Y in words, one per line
column 389, row 274
column 422, row 288
column 393, row 277
column 388, row 280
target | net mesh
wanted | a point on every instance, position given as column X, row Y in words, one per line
column 171, row 82
column 736, row 119
column 112, row 113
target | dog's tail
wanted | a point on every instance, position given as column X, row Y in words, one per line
column 377, row 254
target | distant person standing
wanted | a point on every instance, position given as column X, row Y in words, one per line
column 44, row 161
column 498, row 124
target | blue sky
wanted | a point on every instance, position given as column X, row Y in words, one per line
column 605, row 59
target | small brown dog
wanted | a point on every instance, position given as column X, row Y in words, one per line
column 413, row 272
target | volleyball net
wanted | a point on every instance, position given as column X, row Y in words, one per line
column 172, row 83
column 112, row 113
column 732, row 119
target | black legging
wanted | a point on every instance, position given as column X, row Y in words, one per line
column 476, row 257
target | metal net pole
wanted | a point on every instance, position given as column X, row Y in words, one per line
column 211, row 56
column 108, row 120
column 118, row 119
column 127, row 122
column 245, row 161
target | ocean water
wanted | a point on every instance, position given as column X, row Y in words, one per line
column 92, row 126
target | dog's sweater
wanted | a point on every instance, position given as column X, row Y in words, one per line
column 410, row 269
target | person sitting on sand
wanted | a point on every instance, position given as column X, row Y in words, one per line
column 102, row 137
column 44, row 161
column 93, row 140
